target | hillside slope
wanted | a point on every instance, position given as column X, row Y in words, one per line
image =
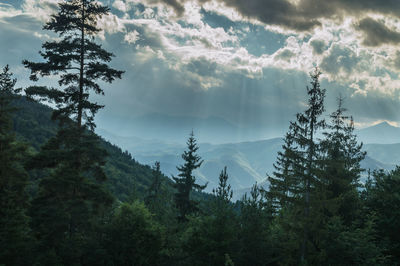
column 126, row 177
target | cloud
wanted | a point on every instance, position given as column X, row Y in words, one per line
column 318, row 46
column 285, row 55
column 131, row 37
column 396, row 61
column 300, row 15
column 340, row 61
column 207, row 62
column 377, row 33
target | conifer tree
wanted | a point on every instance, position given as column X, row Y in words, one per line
column 154, row 198
column 185, row 183
column 72, row 194
column 213, row 237
column 223, row 192
column 254, row 232
column 341, row 169
column 14, row 229
column 382, row 198
column 77, row 59
column 283, row 183
column 297, row 178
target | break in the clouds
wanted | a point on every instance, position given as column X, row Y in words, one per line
column 244, row 61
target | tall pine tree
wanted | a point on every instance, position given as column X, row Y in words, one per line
column 341, row 168
column 72, row 194
column 297, row 168
column 185, row 183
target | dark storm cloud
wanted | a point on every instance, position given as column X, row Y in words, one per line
column 303, row 16
column 376, row 33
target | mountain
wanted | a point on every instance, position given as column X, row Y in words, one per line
column 176, row 128
column 247, row 162
column 382, row 133
column 388, row 153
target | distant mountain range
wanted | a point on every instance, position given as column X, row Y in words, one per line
column 171, row 128
column 382, row 133
column 247, row 162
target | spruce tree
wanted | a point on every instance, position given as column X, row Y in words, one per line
column 341, row 168
column 296, row 177
column 223, row 192
column 72, row 194
column 185, row 183
column 14, row 229
column 155, row 194
column 283, row 182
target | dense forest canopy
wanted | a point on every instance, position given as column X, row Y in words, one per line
column 69, row 197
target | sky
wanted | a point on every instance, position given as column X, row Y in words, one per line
column 246, row 62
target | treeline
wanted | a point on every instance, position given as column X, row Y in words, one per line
column 315, row 211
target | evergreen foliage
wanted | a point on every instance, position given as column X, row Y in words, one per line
column 341, row 170
column 382, row 198
column 212, row 239
column 297, row 167
column 185, row 183
column 256, row 243
column 78, row 61
column 72, row 195
column 133, row 237
column 15, row 235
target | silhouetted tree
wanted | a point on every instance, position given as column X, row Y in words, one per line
column 341, row 170
column 185, row 183
column 298, row 165
column 71, row 195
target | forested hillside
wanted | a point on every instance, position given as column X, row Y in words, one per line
column 33, row 125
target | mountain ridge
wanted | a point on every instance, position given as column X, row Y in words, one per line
column 382, row 133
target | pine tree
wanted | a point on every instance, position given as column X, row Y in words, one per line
column 72, row 194
column 223, row 192
column 14, row 229
column 185, row 183
column 284, row 184
column 341, row 169
column 77, row 59
column 155, row 194
column 297, row 168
